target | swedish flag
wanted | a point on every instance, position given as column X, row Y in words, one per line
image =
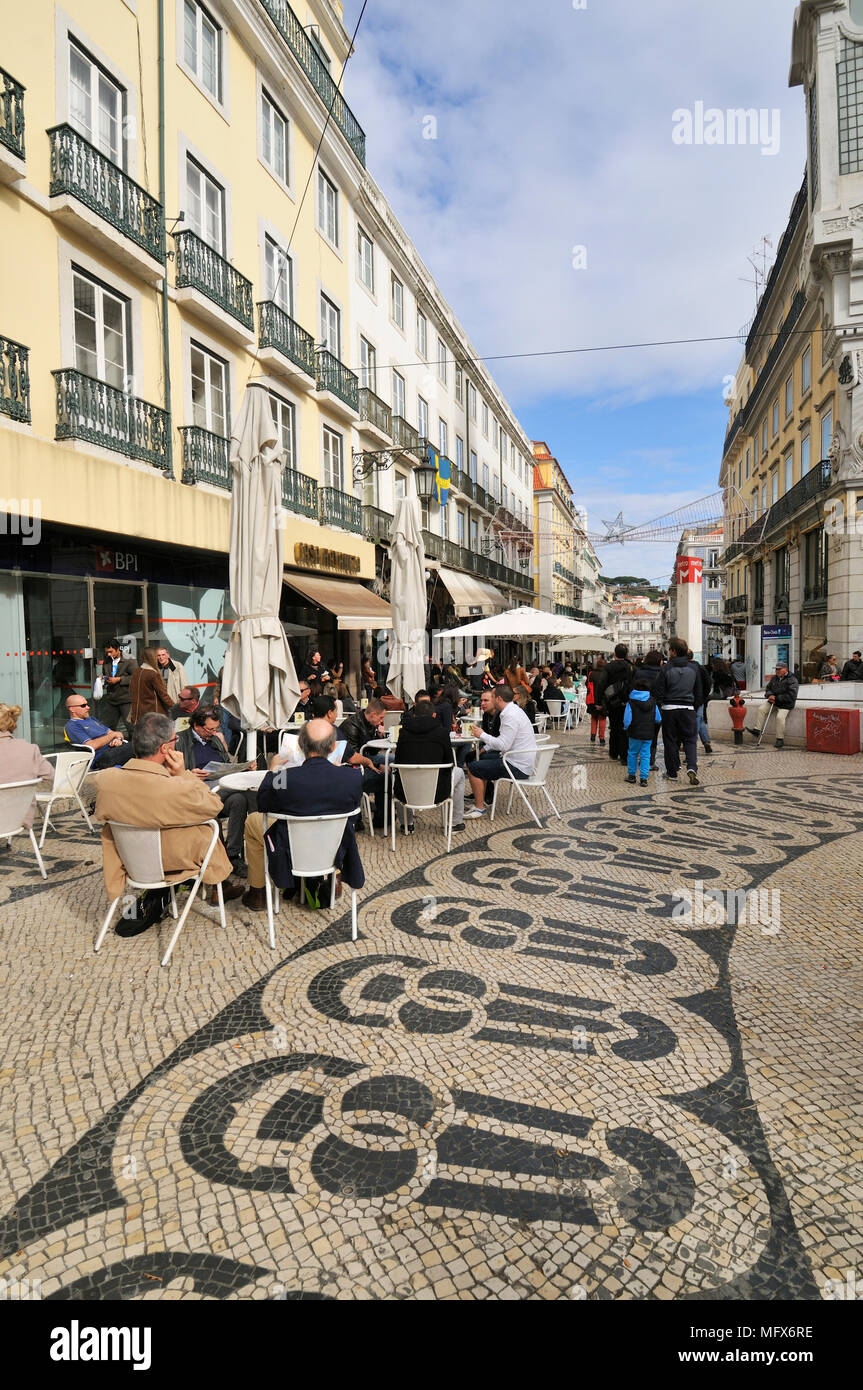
column 443, row 473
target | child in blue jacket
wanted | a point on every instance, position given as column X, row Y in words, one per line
column 639, row 720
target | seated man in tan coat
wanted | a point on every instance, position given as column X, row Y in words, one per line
column 155, row 790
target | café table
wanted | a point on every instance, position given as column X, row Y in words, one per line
column 388, row 747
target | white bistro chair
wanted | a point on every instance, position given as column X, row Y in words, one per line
column 541, row 722
column 314, row 843
column 544, row 755
column 559, row 715
column 392, row 719
column 419, row 788
column 70, row 769
column 140, row 849
column 16, row 798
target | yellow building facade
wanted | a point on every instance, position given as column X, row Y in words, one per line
column 170, row 234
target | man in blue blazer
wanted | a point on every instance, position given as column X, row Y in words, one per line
column 315, row 788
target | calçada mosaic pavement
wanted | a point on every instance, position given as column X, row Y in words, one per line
column 528, row 1078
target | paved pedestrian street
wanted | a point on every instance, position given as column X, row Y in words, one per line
column 528, row 1078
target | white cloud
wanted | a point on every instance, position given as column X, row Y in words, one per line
column 553, row 132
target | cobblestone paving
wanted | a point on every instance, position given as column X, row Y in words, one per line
column 528, row 1078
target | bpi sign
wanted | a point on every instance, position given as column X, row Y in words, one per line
column 116, row 561
column 689, row 569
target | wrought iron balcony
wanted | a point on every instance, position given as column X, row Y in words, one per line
column 375, row 411
column 84, row 173
column 92, row 410
column 313, row 66
column 340, row 509
column 810, row 485
column 738, row 604
column 276, row 329
column 201, row 268
column 376, row 524
column 299, row 493
column 333, row 376
column 406, row 437
column 465, row 483
column 433, row 545
column 14, row 380
column 205, row 457
column 11, row 114
column 484, row 499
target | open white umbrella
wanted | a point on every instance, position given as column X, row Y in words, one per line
column 596, row 643
column 260, row 683
column 526, row 624
column 407, row 601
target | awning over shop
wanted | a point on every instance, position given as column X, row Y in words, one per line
column 472, row 597
column 355, row 607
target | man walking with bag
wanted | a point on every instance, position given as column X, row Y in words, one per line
column 618, row 680
column 679, row 690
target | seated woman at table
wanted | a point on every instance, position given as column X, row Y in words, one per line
column 424, row 740
column 20, row 761
column 445, row 705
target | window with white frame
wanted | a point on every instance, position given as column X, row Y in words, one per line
column 422, row 418
column 398, row 394
column 274, row 137
column 443, row 437
column 764, row 437
column 459, row 451
column 485, row 476
column 365, row 260
column 441, row 360
column 279, row 280
column 328, row 209
column 96, row 104
column 774, row 415
column 512, row 452
column 789, row 396
column 473, row 464
column 205, row 206
column 806, row 371
column 763, row 498
column 474, row 537
column 422, row 334
column 331, row 327
column 202, row 47
column 495, row 433
column 368, row 365
column 826, row 432
column 210, row 406
column 101, row 331
column 747, row 463
column 333, row 464
column 284, row 419
column 400, row 487
column 789, row 471
column 495, row 488
column 804, row 455
column 397, row 301
column 460, row 527
column 774, row 485
column 471, row 400
column 459, row 385
column 485, row 419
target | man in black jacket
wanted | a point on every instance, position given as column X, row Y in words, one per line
column 781, row 692
column 617, row 685
column 853, row 669
column 423, row 739
column 678, row 690
column 316, row 788
column 357, row 730
column 117, row 673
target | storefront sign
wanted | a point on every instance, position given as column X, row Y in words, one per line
column 116, row 561
column 316, row 557
column 689, row 569
column 776, row 632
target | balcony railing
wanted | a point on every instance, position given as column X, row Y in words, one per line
column 92, row 410
column 406, row 437
column 738, row 604
column 201, row 268
column 465, row 483
column 205, row 457
column 299, row 493
column 376, row 524
column 484, row 499
column 14, row 380
column 744, row 415
column 83, row 172
column 340, row 509
column 810, row 485
column 375, row 411
column 432, row 545
column 11, row 114
column 332, row 375
column 301, row 46
column 276, row 329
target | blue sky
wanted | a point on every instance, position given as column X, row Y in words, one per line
column 553, row 131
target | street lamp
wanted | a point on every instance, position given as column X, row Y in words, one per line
column 425, row 480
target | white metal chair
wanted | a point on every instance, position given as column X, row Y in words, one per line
column 558, row 713
column 544, row 755
column 541, row 722
column 70, row 769
column 419, row 788
column 140, row 849
column 392, row 719
column 16, row 798
column 314, row 843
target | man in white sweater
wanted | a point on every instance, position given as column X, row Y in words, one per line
column 516, row 739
